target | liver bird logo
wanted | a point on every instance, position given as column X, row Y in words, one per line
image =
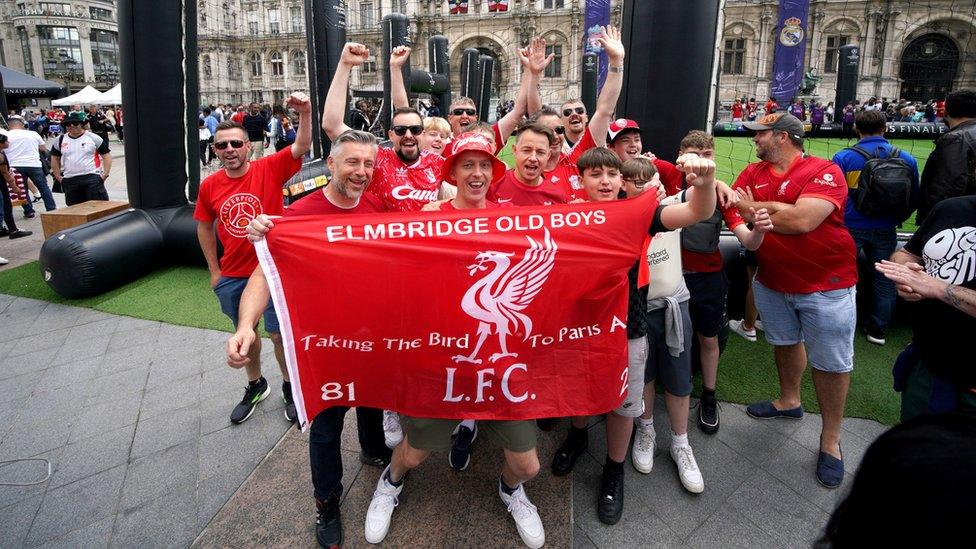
column 497, row 299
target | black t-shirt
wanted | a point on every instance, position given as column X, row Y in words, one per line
column 946, row 242
column 255, row 126
column 637, row 298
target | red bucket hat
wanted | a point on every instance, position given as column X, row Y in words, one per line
column 473, row 141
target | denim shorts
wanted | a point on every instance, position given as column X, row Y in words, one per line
column 823, row 321
column 229, row 290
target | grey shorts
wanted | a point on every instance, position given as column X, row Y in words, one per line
column 674, row 372
column 633, row 404
column 435, row 434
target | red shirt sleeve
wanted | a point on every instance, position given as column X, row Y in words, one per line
column 732, row 217
column 203, row 211
column 671, row 178
column 499, row 144
column 828, row 183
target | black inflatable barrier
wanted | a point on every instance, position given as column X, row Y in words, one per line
column 896, row 130
column 101, row 255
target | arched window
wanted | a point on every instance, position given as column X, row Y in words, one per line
column 556, row 47
column 207, row 70
column 277, row 64
column 837, row 34
column 255, row 60
column 298, row 62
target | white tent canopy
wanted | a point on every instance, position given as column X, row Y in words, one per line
column 112, row 96
column 87, row 96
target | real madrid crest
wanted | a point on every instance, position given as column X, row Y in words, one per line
column 792, row 33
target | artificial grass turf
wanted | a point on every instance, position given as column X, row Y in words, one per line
column 182, row 296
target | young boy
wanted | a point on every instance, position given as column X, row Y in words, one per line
column 600, row 170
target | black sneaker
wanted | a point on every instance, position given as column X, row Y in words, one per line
column 253, row 393
column 874, row 335
column 708, row 417
column 4, row 232
column 375, row 461
column 611, row 503
column 20, row 233
column 460, row 455
column 291, row 413
column 567, row 454
column 328, row 526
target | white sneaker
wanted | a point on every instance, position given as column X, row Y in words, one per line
column 688, row 472
column 759, row 326
column 380, row 511
column 643, row 453
column 526, row 516
column 4, row 261
column 392, row 432
column 736, row 326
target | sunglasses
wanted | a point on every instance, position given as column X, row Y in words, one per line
column 233, row 143
column 459, row 112
column 559, row 130
column 400, row 131
column 579, row 110
column 69, row 124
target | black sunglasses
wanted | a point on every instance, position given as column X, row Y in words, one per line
column 69, row 124
column 579, row 110
column 459, row 112
column 400, row 131
column 233, row 143
column 559, row 130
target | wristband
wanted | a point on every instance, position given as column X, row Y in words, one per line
column 616, row 69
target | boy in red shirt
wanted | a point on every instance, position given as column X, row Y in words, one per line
column 230, row 199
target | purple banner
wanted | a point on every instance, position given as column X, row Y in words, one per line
column 597, row 15
column 791, row 44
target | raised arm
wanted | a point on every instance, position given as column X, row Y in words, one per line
column 303, row 139
column 334, row 110
column 607, row 102
column 700, row 173
column 398, row 90
column 534, row 61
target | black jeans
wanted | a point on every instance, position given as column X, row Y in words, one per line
column 324, row 445
column 8, row 210
column 82, row 188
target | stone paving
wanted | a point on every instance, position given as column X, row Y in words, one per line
column 133, row 416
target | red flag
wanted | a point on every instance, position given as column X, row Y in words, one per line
column 510, row 313
column 458, row 6
column 498, row 5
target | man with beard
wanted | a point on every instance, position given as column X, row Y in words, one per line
column 230, row 199
column 351, row 162
column 574, row 119
column 405, row 177
column 472, row 168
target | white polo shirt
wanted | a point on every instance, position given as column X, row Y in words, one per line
column 81, row 155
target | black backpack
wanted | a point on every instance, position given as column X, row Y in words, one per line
column 885, row 186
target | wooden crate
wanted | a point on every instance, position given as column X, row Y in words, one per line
column 72, row 216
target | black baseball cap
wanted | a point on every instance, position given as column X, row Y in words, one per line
column 779, row 121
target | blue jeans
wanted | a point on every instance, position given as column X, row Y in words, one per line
column 40, row 181
column 878, row 244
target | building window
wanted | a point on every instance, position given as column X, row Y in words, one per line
column 733, row 56
column 61, row 51
column 366, row 14
column 401, row 7
column 100, row 14
column 274, row 21
column 26, row 51
column 553, row 4
column 278, row 96
column 833, row 51
column 207, row 69
column 55, row 8
column 298, row 62
column 297, row 19
column 277, row 64
column 369, row 66
column 105, row 55
column 255, row 60
column 257, row 96
column 226, row 17
column 252, row 23
column 555, row 69
column 234, row 68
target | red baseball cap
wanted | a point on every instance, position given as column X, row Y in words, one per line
column 619, row 126
column 476, row 142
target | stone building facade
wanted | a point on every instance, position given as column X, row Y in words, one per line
column 255, row 50
column 912, row 50
column 71, row 42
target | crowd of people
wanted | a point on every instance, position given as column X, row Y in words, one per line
column 72, row 147
column 802, row 220
column 817, row 114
